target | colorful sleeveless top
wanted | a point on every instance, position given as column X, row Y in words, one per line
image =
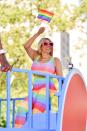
column 39, row 83
column 39, row 93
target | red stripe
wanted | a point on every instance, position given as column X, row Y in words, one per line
column 46, row 12
column 20, row 120
column 39, row 106
column 43, row 86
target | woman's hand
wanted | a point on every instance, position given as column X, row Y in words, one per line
column 5, row 66
column 41, row 30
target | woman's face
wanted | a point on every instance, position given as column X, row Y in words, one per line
column 47, row 46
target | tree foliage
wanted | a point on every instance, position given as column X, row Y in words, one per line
column 18, row 19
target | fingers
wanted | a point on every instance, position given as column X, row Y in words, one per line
column 41, row 30
column 6, row 68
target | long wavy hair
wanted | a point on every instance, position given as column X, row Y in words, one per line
column 42, row 40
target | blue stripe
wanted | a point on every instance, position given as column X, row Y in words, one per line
column 44, row 17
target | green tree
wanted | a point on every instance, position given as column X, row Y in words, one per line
column 17, row 21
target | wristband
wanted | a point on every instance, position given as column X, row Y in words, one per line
column 2, row 51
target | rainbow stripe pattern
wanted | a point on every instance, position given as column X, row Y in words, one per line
column 39, row 93
column 45, row 15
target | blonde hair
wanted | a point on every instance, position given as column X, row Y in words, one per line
column 40, row 43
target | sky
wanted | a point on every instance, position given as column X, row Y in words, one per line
column 70, row 2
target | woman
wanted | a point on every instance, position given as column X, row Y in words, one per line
column 42, row 61
column 5, row 66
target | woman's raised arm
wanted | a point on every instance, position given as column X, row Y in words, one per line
column 32, row 52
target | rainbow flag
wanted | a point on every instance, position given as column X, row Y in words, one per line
column 45, row 15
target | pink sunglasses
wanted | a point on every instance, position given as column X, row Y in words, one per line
column 48, row 44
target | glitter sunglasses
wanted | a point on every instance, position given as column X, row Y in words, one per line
column 48, row 44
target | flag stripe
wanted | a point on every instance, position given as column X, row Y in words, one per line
column 45, row 15
column 45, row 12
column 44, row 18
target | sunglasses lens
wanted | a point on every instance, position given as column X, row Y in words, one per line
column 46, row 44
column 51, row 44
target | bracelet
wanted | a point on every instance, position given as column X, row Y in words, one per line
column 2, row 51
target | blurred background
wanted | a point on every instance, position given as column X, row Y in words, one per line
column 67, row 29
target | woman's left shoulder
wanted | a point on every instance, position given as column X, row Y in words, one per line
column 56, row 59
column 58, row 66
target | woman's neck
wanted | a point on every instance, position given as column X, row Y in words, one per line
column 45, row 57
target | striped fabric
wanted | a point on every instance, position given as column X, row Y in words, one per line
column 45, row 15
column 39, row 92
